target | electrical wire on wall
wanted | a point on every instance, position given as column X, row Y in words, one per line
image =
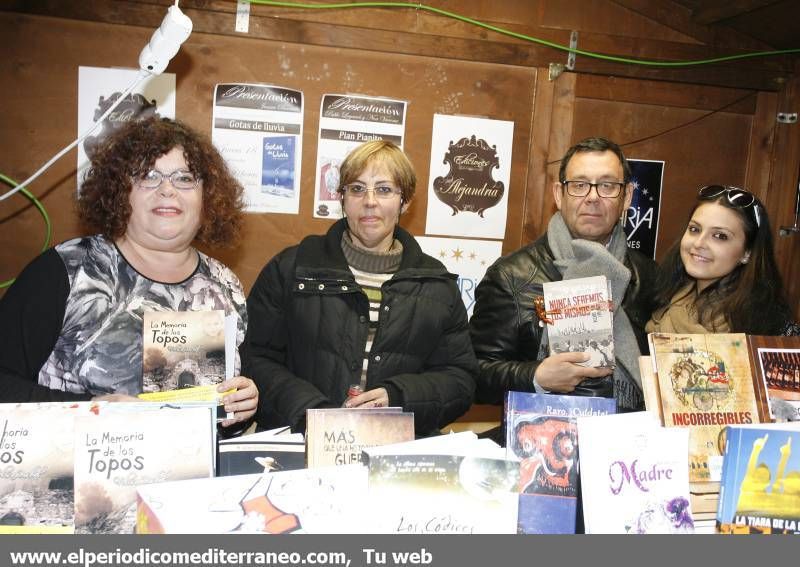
column 42, row 211
column 172, row 38
column 522, row 36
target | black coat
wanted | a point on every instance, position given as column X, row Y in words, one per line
column 308, row 325
column 505, row 329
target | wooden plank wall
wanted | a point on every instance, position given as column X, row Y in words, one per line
column 711, row 124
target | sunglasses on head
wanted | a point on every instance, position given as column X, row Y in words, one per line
column 738, row 198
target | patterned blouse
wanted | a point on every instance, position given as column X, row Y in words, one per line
column 99, row 349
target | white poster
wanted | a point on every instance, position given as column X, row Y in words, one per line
column 258, row 129
column 99, row 88
column 346, row 121
column 469, row 176
column 468, row 259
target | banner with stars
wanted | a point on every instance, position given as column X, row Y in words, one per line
column 468, row 259
column 641, row 220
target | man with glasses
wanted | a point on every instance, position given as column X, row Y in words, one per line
column 584, row 238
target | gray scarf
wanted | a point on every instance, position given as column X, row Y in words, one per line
column 578, row 258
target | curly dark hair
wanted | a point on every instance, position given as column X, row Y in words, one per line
column 130, row 152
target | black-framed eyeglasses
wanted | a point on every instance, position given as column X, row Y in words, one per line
column 180, row 179
column 359, row 191
column 606, row 189
column 736, row 197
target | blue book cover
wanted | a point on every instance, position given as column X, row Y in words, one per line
column 277, row 172
column 541, row 431
column 760, row 485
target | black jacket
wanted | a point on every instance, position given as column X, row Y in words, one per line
column 307, row 331
column 505, row 329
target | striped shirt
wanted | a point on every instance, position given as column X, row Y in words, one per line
column 371, row 270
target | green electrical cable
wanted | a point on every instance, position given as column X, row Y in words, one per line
column 42, row 210
column 522, row 36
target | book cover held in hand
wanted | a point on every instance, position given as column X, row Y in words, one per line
column 760, row 486
column 579, row 319
column 705, row 384
column 542, row 432
column 183, row 349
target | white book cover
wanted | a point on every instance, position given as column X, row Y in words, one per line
column 634, row 475
column 36, row 476
column 126, row 445
column 323, row 500
column 579, row 319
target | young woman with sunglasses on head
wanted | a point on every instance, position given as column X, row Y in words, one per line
column 721, row 276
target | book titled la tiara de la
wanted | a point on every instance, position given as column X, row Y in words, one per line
column 705, row 384
column 579, row 319
column 542, row 432
column 760, row 486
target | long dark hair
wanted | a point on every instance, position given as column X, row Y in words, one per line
column 750, row 298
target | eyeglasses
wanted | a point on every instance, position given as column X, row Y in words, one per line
column 606, row 189
column 358, row 191
column 738, row 198
column 180, row 179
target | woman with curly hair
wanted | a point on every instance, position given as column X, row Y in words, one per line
column 71, row 325
column 721, row 277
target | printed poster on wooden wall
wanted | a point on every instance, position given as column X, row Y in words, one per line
column 346, row 121
column 468, row 259
column 641, row 220
column 99, row 88
column 258, row 129
column 469, row 176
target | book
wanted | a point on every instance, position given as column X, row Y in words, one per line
column 338, row 436
column 760, row 486
column 126, row 445
column 253, row 457
column 705, row 383
column 182, row 349
column 541, row 431
column 776, row 365
column 634, row 475
column 650, row 387
column 185, row 354
column 323, row 500
column 430, row 488
column 36, row 471
column 579, row 319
